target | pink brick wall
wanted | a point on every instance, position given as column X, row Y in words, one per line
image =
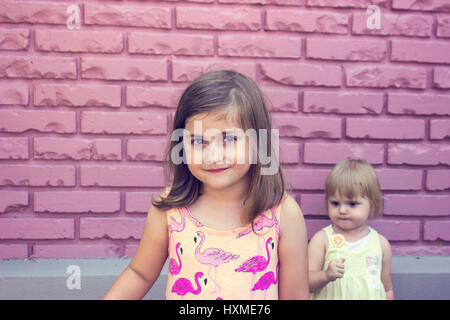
column 85, row 113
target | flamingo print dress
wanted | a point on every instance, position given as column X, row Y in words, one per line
column 211, row 264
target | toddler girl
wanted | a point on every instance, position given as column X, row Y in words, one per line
column 225, row 223
column 357, row 265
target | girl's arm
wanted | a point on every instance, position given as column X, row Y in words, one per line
column 145, row 267
column 293, row 273
column 386, row 268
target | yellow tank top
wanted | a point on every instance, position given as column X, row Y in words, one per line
column 362, row 276
column 210, row 264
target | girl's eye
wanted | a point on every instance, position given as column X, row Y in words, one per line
column 353, row 204
column 230, row 138
column 197, row 141
column 334, row 203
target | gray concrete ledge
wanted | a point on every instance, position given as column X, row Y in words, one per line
column 421, row 277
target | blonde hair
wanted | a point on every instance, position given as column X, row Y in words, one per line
column 352, row 178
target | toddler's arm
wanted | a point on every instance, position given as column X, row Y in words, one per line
column 386, row 268
column 319, row 278
column 144, row 268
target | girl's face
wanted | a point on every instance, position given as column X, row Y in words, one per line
column 217, row 150
column 348, row 214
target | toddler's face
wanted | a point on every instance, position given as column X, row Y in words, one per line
column 348, row 214
column 217, row 150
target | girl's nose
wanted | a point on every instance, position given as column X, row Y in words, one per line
column 213, row 152
column 343, row 209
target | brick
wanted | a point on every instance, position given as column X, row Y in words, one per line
column 124, row 69
column 436, row 230
column 14, row 148
column 331, row 153
column 441, row 78
column 35, row 12
column 38, row 67
column 79, row 41
column 301, row 74
column 289, row 152
column 64, row 251
column 306, row 179
column 77, row 149
column 419, row 51
column 11, row 201
column 400, row 230
column 342, row 102
column 386, row 77
column 146, row 150
column 417, row 205
column 399, row 179
column 113, row 176
column 346, row 3
column 139, row 202
column 36, row 228
column 306, row 21
column 429, row 5
column 218, row 18
column 128, row 15
column 266, row 2
column 77, row 201
column 314, row 226
column 281, row 100
column 418, row 104
column 14, row 93
column 443, row 27
column 439, row 129
column 313, row 204
column 117, row 228
column 307, row 127
column 176, row 44
column 152, row 96
column 37, row 175
column 79, row 95
column 188, row 70
column 123, row 122
column 419, row 154
column 42, row 121
column 259, row 46
column 438, row 180
column 13, row 251
column 408, row 25
column 347, row 50
column 14, row 39
column 382, row 128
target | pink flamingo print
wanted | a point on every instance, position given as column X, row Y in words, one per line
column 183, row 286
column 212, row 256
column 174, row 267
column 266, row 281
column 256, row 263
column 175, row 226
column 261, row 222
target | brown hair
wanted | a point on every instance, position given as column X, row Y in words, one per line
column 351, row 178
column 215, row 91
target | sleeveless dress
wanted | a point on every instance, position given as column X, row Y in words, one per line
column 362, row 276
column 212, row 264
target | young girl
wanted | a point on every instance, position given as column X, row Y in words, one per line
column 229, row 230
column 357, row 265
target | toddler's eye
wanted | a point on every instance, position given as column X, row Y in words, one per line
column 334, row 203
column 353, row 204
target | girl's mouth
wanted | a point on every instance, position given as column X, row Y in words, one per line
column 217, row 170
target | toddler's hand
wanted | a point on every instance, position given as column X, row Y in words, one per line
column 335, row 269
